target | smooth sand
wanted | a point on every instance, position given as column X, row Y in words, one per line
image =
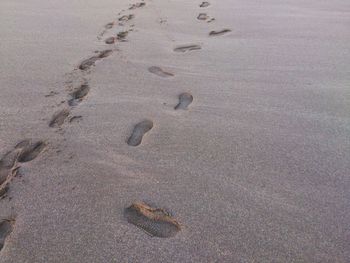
column 256, row 170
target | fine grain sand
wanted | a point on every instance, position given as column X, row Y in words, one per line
column 232, row 118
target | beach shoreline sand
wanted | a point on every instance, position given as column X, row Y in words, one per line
column 174, row 131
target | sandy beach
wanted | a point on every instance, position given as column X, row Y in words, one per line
column 174, row 131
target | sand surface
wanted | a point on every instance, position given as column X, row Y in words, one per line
column 256, row 169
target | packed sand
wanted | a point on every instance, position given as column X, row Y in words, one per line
column 174, row 131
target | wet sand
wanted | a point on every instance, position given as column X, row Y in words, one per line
column 232, row 118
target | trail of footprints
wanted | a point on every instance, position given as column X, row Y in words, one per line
column 79, row 93
column 205, row 16
column 156, row 222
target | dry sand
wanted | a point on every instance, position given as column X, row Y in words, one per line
column 256, row 169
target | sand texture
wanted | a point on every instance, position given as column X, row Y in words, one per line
column 174, row 131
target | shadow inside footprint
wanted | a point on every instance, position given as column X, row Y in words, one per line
column 185, row 99
column 121, row 36
column 110, row 40
column 109, row 25
column 219, row 32
column 58, row 118
column 186, row 48
column 79, row 94
column 202, row 16
column 204, row 4
column 160, row 72
column 105, row 53
column 75, row 118
column 30, row 150
column 24, row 151
column 211, row 20
column 9, row 160
column 154, row 221
column 8, row 169
column 88, row 63
column 137, row 5
column 6, row 227
column 139, row 131
column 126, row 18
column 3, row 190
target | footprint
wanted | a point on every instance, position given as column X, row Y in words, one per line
column 75, row 118
column 122, row 35
column 202, row 16
column 106, row 28
column 9, row 160
column 51, row 94
column 30, row 150
column 139, row 131
column 185, row 99
column 79, row 94
column 211, row 20
column 6, row 227
column 24, row 151
column 186, row 48
column 88, row 63
column 110, row 40
column 105, row 53
column 6, row 176
column 126, row 18
column 160, row 72
column 58, row 118
column 219, row 32
column 3, row 190
column 154, row 221
column 109, row 25
column 137, row 5
column 204, row 4
column 8, row 169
